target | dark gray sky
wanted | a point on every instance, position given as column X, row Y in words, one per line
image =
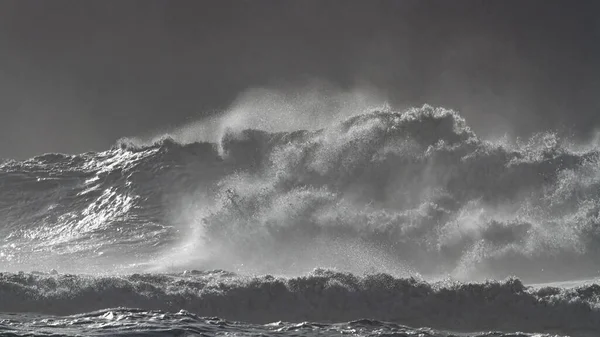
column 77, row 75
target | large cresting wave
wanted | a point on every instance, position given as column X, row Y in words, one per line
column 380, row 215
column 405, row 193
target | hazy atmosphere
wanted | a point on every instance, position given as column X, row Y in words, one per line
column 300, row 168
column 75, row 76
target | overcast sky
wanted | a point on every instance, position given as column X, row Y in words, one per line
column 77, row 75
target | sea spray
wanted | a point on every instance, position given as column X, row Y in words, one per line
column 407, row 193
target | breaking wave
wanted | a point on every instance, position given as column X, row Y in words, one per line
column 401, row 193
column 323, row 295
column 379, row 197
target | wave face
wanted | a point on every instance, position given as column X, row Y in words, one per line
column 413, row 193
column 401, row 193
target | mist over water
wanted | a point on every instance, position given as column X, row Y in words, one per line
column 364, row 199
column 267, row 188
column 272, row 170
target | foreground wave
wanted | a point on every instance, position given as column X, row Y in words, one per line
column 322, row 296
column 135, row 322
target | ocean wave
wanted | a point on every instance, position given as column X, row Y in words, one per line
column 321, row 296
column 407, row 193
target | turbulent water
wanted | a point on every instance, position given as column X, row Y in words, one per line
column 387, row 221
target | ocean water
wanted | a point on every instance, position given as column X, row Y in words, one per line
column 384, row 223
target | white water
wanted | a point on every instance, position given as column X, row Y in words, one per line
column 403, row 194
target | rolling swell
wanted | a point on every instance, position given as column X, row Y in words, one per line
column 322, row 295
column 396, row 192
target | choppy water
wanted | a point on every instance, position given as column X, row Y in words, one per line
column 386, row 216
column 121, row 322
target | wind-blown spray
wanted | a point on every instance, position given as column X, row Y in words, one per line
column 413, row 193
